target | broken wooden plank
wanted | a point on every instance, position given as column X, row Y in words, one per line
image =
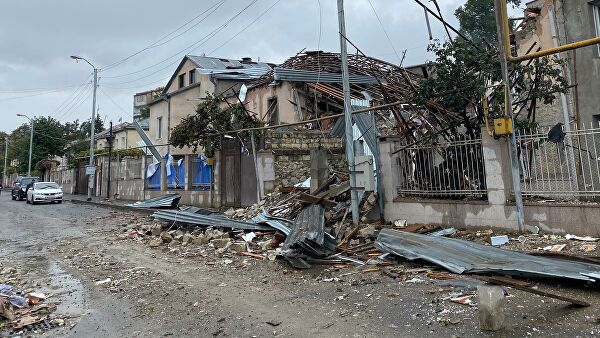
column 286, row 190
column 308, row 198
column 336, row 191
column 420, row 228
column 519, row 286
column 325, row 185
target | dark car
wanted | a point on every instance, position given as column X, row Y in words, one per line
column 18, row 191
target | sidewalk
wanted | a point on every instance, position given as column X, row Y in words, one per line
column 103, row 202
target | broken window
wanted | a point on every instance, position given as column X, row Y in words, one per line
column 272, row 115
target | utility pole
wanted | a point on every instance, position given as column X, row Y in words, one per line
column 348, row 113
column 514, row 157
column 4, row 179
column 110, row 145
column 91, row 169
column 30, row 141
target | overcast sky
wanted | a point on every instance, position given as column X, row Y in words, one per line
column 37, row 37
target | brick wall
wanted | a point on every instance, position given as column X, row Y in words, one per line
column 291, row 150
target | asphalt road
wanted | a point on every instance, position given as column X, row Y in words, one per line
column 64, row 250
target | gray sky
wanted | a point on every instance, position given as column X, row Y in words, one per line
column 37, row 37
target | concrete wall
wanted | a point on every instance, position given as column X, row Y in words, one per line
column 495, row 212
column 291, row 154
column 257, row 101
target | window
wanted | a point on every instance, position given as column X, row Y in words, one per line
column 272, row 111
column 596, row 13
column 159, row 127
column 139, row 99
column 123, row 143
column 192, row 76
column 181, row 80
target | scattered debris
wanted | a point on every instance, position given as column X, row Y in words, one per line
column 584, row 239
column 498, row 240
column 555, row 247
column 165, row 201
column 461, row 257
column 516, row 284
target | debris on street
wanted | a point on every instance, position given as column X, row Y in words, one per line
column 167, row 201
column 22, row 311
column 461, row 257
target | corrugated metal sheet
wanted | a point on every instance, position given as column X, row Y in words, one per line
column 298, row 75
column 280, row 224
column 165, row 201
column 461, row 256
column 308, row 233
column 215, row 220
column 206, row 62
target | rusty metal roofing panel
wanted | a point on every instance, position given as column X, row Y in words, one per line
column 461, row 256
column 308, row 233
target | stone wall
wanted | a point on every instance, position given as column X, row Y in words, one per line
column 291, row 150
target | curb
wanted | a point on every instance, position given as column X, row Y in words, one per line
column 114, row 206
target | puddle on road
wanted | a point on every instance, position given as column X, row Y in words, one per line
column 68, row 291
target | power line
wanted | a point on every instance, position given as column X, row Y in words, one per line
column 141, row 85
column 76, row 106
column 188, row 48
column 67, row 107
column 159, row 42
column 246, row 27
column 385, row 32
column 32, row 90
column 114, row 102
column 61, row 105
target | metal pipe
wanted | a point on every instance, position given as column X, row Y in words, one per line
column 30, row 141
column 514, row 157
column 110, row 145
column 565, row 105
column 348, row 113
column 506, row 39
column 5, row 157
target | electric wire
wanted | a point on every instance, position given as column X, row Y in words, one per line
column 189, row 49
column 85, row 83
column 245, row 28
column 385, row 32
column 159, row 42
column 60, row 113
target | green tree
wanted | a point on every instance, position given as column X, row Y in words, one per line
column 193, row 130
column 85, row 127
column 463, row 75
column 477, row 20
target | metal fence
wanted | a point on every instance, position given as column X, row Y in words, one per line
column 560, row 164
column 442, row 170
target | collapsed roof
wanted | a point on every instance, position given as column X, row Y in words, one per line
column 382, row 81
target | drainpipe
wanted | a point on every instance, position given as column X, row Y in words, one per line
column 168, row 123
column 563, row 99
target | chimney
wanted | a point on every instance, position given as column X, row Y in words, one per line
column 246, row 60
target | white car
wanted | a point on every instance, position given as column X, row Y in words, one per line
column 44, row 192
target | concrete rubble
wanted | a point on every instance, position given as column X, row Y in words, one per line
column 304, row 230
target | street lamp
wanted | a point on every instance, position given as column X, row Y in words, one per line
column 91, row 169
column 30, row 142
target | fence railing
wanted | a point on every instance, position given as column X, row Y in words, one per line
column 558, row 164
column 442, row 170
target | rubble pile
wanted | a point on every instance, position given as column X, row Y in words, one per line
column 21, row 310
column 303, row 228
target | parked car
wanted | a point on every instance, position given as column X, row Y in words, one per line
column 45, row 192
column 20, row 186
